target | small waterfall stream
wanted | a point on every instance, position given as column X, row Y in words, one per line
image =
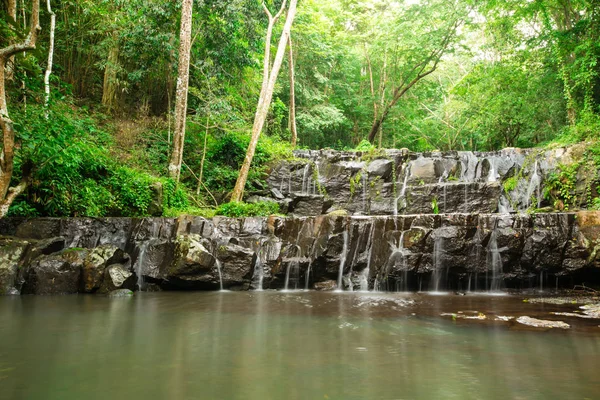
column 438, row 263
column 494, row 261
column 219, row 269
column 534, row 188
column 342, row 261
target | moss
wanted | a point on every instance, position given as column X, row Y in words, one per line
column 355, row 183
column 510, row 184
column 338, row 213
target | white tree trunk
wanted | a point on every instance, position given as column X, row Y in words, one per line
column 12, row 13
column 293, row 130
column 183, row 75
column 263, row 105
column 8, row 194
column 50, row 56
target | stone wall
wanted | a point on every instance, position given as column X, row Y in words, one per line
column 406, row 252
column 392, row 182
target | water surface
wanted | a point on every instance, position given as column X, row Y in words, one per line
column 273, row 345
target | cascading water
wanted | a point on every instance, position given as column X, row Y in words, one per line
column 494, row 261
column 292, row 274
column 364, row 276
column 402, row 194
column 305, row 180
column 365, row 183
column 493, row 175
column 438, row 252
column 259, row 273
column 219, row 270
column 534, row 188
column 139, row 264
column 342, row 261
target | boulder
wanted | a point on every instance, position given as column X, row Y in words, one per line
column 116, row 276
column 306, row 205
column 193, row 266
column 237, row 265
column 120, row 293
column 328, row 285
column 12, row 251
column 58, row 273
column 95, row 263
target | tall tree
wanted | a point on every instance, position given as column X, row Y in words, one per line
column 437, row 39
column 11, row 6
column 181, row 97
column 292, row 118
column 266, row 95
column 50, row 55
column 7, row 193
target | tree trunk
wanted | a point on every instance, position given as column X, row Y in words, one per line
column 50, row 56
column 12, row 13
column 371, row 85
column 109, row 88
column 292, row 95
column 7, row 195
column 263, row 104
column 181, row 94
column 419, row 71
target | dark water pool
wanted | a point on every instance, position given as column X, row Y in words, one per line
column 272, row 345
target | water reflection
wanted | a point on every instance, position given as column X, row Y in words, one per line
column 227, row 345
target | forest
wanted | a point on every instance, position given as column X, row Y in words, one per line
column 100, row 111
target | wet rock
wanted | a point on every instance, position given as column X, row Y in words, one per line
column 237, row 265
column 95, row 263
column 12, row 251
column 120, row 293
column 58, row 273
column 305, row 205
column 193, row 265
column 380, row 167
column 423, row 169
column 326, row 285
column 116, row 276
column 39, row 228
column 542, row 323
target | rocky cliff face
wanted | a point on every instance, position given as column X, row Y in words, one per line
column 406, row 252
column 392, row 220
column 392, row 182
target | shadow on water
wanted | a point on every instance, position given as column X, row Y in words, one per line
column 296, row 345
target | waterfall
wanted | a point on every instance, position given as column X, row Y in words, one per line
column 307, row 280
column 364, row 276
column 365, row 182
column 493, row 175
column 293, row 270
column 139, row 264
column 495, row 262
column 438, row 250
column 342, row 261
column 534, row 187
column 219, row 269
column 259, row 273
column 317, row 180
column 402, row 194
column 305, row 181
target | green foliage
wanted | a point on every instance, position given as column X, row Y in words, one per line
column 560, row 186
column 364, row 145
column 510, row 184
column 239, row 209
column 355, row 183
column 434, row 206
column 73, row 173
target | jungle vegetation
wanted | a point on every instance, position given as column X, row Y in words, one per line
column 116, row 98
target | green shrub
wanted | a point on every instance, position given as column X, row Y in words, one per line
column 364, row 145
column 239, row 209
